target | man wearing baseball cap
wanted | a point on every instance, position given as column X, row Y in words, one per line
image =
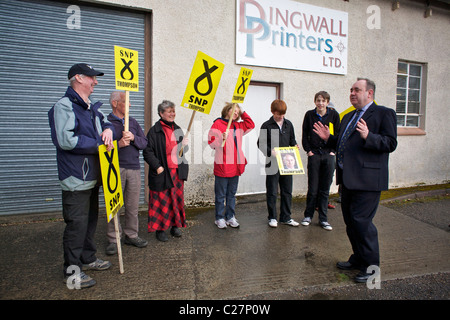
column 78, row 127
column 83, row 68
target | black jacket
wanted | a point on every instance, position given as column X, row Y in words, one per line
column 310, row 140
column 129, row 155
column 269, row 131
column 155, row 155
column 366, row 161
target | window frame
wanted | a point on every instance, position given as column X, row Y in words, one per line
column 404, row 129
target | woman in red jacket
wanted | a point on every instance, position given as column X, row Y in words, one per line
column 229, row 161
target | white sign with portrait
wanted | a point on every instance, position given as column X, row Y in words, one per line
column 289, row 161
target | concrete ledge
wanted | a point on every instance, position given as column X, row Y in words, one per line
column 418, row 195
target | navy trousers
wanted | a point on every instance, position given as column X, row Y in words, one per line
column 320, row 175
column 359, row 208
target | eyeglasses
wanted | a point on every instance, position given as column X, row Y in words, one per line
column 92, row 77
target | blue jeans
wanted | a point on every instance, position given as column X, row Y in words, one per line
column 225, row 200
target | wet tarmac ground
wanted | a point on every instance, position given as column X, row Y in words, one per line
column 252, row 262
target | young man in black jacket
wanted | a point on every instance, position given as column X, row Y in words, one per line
column 321, row 159
column 277, row 132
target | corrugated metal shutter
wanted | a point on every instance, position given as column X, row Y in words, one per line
column 37, row 50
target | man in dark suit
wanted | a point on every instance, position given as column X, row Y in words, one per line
column 366, row 137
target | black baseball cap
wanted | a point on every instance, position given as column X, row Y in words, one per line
column 83, row 68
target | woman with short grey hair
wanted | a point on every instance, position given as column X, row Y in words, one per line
column 168, row 169
column 164, row 105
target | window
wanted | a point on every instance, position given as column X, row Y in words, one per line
column 409, row 104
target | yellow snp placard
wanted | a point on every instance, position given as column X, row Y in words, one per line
column 112, row 185
column 289, row 161
column 242, row 85
column 203, row 83
column 126, row 69
column 343, row 113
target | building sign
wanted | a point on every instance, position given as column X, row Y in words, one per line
column 291, row 35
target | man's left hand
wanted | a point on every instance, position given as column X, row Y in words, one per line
column 362, row 128
column 107, row 138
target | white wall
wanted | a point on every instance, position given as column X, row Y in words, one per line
column 181, row 28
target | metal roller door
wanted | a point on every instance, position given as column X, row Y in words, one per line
column 39, row 42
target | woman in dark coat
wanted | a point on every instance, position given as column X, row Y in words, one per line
column 167, row 173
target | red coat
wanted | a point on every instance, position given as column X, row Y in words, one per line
column 232, row 162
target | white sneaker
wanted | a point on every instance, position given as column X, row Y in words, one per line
column 232, row 223
column 291, row 223
column 326, row 226
column 306, row 221
column 273, row 223
column 221, row 223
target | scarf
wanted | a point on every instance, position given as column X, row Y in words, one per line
column 171, row 143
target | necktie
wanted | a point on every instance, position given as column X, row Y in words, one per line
column 348, row 131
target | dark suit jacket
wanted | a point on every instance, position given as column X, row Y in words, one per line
column 366, row 161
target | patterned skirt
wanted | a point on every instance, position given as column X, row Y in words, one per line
column 166, row 208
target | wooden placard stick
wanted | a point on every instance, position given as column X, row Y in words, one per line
column 188, row 130
column 127, row 111
column 116, row 218
column 119, row 247
column 229, row 122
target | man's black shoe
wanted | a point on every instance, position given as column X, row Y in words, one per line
column 111, row 249
column 345, row 265
column 161, row 236
column 175, row 232
column 137, row 242
column 362, row 277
